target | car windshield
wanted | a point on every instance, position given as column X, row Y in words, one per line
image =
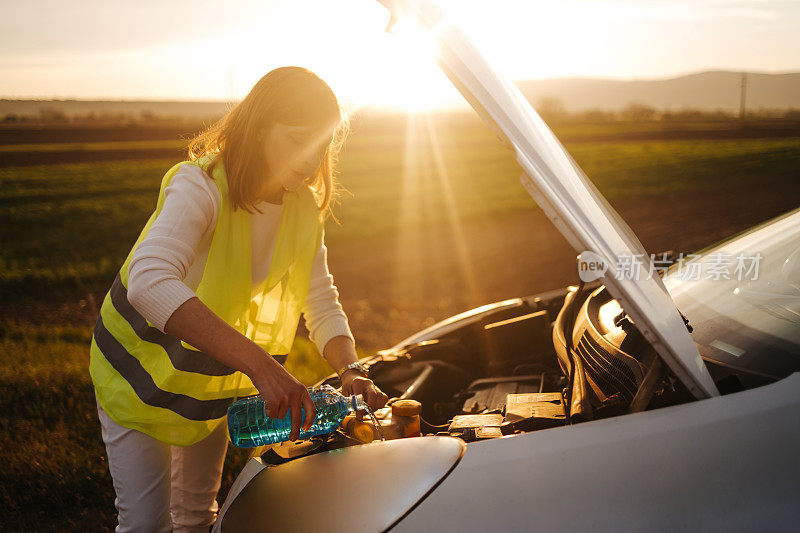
column 742, row 298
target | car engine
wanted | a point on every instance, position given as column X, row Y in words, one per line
column 507, row 368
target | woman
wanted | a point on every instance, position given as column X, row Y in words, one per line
column 206, row 305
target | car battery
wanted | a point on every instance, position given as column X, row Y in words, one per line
column 535, row 410
column 490, row 394
column 476, row 427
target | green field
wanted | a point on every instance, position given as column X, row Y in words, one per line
column 66, row 228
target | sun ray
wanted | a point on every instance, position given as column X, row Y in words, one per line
column 460, row 241
column 407, row 264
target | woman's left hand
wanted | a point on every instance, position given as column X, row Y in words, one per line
column 355, row 383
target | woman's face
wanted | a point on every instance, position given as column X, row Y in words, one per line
column 293, row 153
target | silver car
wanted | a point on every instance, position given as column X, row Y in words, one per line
column 657, row 394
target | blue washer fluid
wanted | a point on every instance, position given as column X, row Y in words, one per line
column 249, row 425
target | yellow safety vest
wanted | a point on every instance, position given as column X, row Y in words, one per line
column 159, row 385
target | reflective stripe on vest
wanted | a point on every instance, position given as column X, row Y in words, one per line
column 153, row 382
column 182, row 358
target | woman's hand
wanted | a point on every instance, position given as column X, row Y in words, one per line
column 282, row 393
column 199, row 326
column 355, row 383
column 341, row 351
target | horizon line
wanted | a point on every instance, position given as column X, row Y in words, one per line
column 558, row 78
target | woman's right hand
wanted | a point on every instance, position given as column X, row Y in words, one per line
column 282, row 393
column 196, row 324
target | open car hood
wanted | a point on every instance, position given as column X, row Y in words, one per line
column 563, row 192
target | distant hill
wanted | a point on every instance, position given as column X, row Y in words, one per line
column 705, row 91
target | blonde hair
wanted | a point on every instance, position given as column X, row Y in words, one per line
column 289, row 95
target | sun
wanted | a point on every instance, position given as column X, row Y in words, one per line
column 395, row 70
column 413, row 82
column 363, row 63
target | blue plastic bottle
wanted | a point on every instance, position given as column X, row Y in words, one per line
column 249, row 425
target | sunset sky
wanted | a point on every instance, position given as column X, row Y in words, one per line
column 182, row 49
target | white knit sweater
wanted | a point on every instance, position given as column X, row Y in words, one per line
column 167, row 266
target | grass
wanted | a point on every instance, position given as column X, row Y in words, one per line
column 65, row 229
column 49, row 430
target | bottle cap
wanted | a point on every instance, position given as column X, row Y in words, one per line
column 357, row 403
column 406, row 408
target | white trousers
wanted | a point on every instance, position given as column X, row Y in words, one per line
column 161, row 487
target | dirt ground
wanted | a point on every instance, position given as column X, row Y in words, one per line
column 402, row 284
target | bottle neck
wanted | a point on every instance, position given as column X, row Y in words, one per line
column 357, row 403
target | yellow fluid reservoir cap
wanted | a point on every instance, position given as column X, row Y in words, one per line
column 363, row 432
column 406, row 408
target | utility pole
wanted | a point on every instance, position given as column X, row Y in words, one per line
column 743, row 97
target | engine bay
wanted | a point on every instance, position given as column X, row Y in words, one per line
column 507, row 368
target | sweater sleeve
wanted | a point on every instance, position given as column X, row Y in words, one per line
column 161, row 261
column 324, row 315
